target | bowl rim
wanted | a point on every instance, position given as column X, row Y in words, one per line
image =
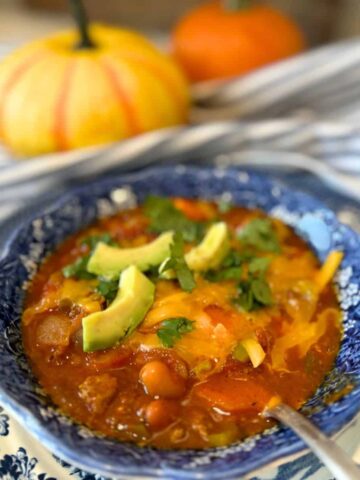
column 22, row 413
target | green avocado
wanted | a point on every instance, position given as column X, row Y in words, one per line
column 110, row 261
column 133, row 300
column 207, row 255
column 211, row 251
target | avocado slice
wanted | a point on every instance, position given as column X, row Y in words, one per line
column 208, row 254
column 211, row 251
column 134, row 298
column 110, row 261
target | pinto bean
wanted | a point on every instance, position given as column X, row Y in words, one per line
column 159, row 380
column 160, row 413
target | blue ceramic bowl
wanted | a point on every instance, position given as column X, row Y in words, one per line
column 21, row 395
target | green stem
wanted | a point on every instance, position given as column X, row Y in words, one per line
column 82, row 23
column 235, row 5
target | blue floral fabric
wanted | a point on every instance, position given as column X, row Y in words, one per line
column 4, row 423
column 20, row 467
column 79, row 474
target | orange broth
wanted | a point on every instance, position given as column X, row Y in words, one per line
column 203, row 396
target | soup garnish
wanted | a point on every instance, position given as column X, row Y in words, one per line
column 175, row 323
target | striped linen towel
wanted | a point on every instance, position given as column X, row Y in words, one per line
column 308, row 104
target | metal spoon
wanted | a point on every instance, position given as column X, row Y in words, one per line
column 332, row 456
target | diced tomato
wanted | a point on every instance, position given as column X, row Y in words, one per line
column 219, row 315
column 126, row 226
column 195, row 210
column 231, row 395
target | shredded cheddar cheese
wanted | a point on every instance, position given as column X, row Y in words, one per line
column 328, row 270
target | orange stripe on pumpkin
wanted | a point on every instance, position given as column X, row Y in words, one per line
column 61, row 107
column 14, row 79
column 125, row 101
column 167, row 81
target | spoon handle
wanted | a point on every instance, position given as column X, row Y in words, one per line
column 332, row 456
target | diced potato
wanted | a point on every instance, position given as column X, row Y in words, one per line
column 54, row 330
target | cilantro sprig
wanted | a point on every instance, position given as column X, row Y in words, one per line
column 164, row 216
column 230, row 273
column 172, row 329
column 233, row 265
column 108, row 289
column 253, row 293
column 177, row 263
column 259, row 265
column 230, row 269
column 78, row 269
column 92, row 240
column 260, row 234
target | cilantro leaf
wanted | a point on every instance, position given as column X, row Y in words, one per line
column 230, row 273
column 165, row 216
column 92, row 240
column 173, row 329
column 259, row 265
column 78, row 269
column 253, row 293
column 261, row 291
column 108, row 289
column 235, row 258
column 245, row 298
column 231, row 267
column 260, row 234
column 177, row 262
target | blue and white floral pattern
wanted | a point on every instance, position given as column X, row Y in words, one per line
column 77, row 473
column 4, row 423
column 305, row 466
column 19, row 391
column 20, row 467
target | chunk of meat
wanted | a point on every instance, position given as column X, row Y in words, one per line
column 231, row 395
column 97, row 391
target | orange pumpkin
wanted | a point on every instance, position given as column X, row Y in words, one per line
column 226, row 38
column 54, row 96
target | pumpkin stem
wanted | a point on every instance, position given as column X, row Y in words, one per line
column 235, row 5
column 82, row 23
